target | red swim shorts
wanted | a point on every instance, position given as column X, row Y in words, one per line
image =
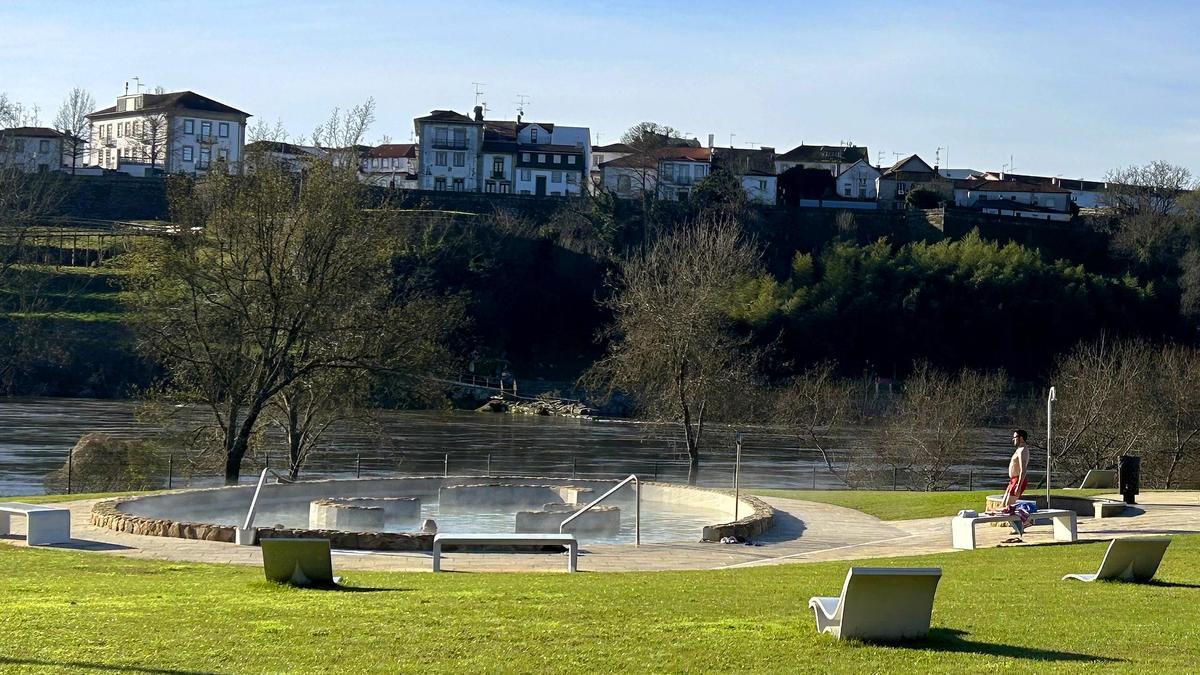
column 1016, row 486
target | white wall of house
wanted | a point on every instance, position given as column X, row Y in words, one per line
column 190, row 142
column 498, row 172
column 35, row 153
column 858, row 182
column 832, row 167
column 450, row 156
column 559, row 183
column 678, row 178
column 760, row 189
column 629, row 183
column 1054, row 200
column 1017, row 212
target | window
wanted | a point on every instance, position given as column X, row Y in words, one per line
column 223, row 129
column 223, row 154
column 526, row 174
column 524, row 156
column 572, row 177
column 489, row 186
column 505, row 188
column 570, row 159
column 846, row 190
column 558, row 159
column 541, row 158
column 205, row 158
column 187, row 153
column 439, row 183
column 189, row 126
column 43, row 146
column 440, row 134
column 459, row 184
column 119, row 129
column 136, row 127
column 108, row 131
column 555, row 176
column 533, row 134
column 624, row 184
column 19, row 144
column 460, row 159
column 440, row 158
column 900, row 188
column 206, row 129
column 128, row 127
column 498, row 166
column 762, row 185
column 460, row 138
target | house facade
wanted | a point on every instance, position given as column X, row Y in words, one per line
column 679, row 169
column 294, row 158
column 911, row 173
column 450, row 146
column 1015, row 198
column 858, row 181
column 178, row 132
column 755, row 170
column 602, row 154
column 551, row 170
column 832, row 158
column 392, row 165
column 35, row 149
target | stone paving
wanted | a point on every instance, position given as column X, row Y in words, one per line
column 803, row 532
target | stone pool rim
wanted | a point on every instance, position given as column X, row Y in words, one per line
column 109, row 513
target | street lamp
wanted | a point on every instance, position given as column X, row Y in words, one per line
column 737, row 472
column 1050, row 399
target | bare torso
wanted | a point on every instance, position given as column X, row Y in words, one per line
column 1019, row 463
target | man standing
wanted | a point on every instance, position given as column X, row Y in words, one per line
column 1018, row 475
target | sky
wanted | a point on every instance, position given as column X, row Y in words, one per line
column 1072, row 88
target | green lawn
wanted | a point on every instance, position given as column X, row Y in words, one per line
column 996, row 609
column 904, row 505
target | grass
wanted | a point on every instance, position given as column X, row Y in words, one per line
column 997, row 609
column 904, row 505
column 54, row 499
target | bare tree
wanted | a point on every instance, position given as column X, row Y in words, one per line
column 150, row 134
column 1173, row 451
column 935, row 423
column 812, row 406
column 15, row 114
column 1101, row 411
column 72, row 121
column 672, row 346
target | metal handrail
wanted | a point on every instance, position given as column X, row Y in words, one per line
column 637, row 513
column 244, row 535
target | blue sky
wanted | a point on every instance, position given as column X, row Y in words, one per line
column 1071, row 89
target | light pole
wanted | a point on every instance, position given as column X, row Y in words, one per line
column 1049, row 413
column 737, row 472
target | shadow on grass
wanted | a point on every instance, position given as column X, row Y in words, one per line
column 953, row 640
column 1169, row 584
column 84, row 666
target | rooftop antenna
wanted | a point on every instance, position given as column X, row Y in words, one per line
column 937, row 156
column 478, row 91
column 598, row 135
column 879, row 158
column 896, row 156
column 138, row 81
column 522, row 102
column 751, row 144
column 731, row 135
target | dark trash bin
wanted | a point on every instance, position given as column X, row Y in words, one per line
column 1129, row 474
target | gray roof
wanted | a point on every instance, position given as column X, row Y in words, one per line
column 824, row 153
column 189, row 100
column 744, row 161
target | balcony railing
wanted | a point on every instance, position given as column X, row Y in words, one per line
column 207, row 139
column 497, row 174
column 445, row 144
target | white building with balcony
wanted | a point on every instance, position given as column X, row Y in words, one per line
column 450, row 146
column 392, row 165
column 178, row 132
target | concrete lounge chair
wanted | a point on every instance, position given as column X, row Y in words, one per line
column 1099, row 478
column 1130, row 559
column 880, row 603
column 300, row 562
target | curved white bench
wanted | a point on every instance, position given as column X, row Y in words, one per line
column 962, row 529
column 567, row 540
column 1129, row 559
column 46, row 524
column 880, row 603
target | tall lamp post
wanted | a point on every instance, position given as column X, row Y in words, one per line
column 1049, row 414
column 737, row 472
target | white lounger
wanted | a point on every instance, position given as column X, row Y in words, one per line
column 1131, row 559
column 299, row 562
column 880, row 603
column 45, row 524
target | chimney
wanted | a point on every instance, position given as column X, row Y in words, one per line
column 519, row 117
column 710, row 141
column 126, row 87
column 478, row 113
column 766, row 148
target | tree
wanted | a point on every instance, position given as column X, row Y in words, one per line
column 935, row 423
column 1173, row 454
column 719, row 194
column 269, row 284
column 924, row 198
column 811, row 406
column 1148, row 225
column 72, row 121
column 150, row 135
column 648, row 136
column 672, row 347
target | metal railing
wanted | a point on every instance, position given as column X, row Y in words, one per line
column 637, row 511
column 450, row 145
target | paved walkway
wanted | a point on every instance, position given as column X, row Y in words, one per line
column 804, row 532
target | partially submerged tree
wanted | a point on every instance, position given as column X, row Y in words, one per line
column 936, row 424
column 269, row 287
column 811, row 407
column 672, row 344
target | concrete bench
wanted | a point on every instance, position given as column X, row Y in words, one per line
column 567, row 540
column 880, row 603
column 1129, row 559
column 962, row 529
column 46, row 524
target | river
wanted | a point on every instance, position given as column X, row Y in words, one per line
column 37, row 434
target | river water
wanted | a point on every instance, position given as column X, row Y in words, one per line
column 36, row 436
